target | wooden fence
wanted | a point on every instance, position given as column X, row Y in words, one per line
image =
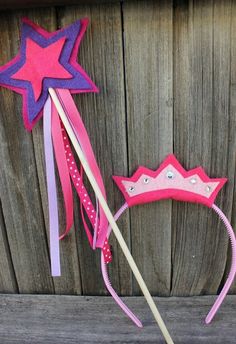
column 167, row 78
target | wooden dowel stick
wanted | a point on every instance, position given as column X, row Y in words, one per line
column 110, row 217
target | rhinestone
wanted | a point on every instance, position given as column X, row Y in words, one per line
column 170, row 175
column 146, row 180
column 193, row 181
column 208, row 188
column 131, row 188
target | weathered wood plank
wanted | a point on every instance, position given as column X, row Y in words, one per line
column 204, row 135
column 148, row 69
column 8, row 282
column 13, row 4
column 19, row 187
column 87, row 320
column 104, row 117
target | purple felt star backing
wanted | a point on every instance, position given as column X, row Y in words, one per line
column 78, row 82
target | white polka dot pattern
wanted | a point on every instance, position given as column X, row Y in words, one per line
column 82, row 193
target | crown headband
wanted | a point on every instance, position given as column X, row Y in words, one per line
column 172, row 181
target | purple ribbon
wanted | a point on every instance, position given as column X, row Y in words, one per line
column 51, row 190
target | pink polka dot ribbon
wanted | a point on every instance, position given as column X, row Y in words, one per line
column 85, row 200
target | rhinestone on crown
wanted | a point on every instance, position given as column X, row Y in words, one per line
column 170, row 175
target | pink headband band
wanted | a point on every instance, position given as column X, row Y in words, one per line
column 172, row 181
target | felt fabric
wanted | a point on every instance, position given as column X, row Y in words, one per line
column 29, row 72
column 41, row 63
column 170, row 180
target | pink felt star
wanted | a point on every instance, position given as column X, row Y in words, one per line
column 42, row 63
column 46, row 59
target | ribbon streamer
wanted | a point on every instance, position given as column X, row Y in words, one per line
column 78, row 127
column 85, row 201
column 58, row 143
column 51, row 190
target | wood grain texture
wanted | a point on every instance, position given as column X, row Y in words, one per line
column 204, row 135
column 148, row 69
column 167, row 74
column 13, row 4
column 104, row 118
column 19, row 187
column 8, row 283
column 84, row 320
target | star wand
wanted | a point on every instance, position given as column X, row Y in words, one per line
column 45, row 73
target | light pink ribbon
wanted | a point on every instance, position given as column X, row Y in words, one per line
column 52, row 191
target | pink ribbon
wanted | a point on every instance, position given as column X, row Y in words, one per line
column 82, row 136
column 55, row 136
column 58, row 143
column 67, row 168
column 85, row 200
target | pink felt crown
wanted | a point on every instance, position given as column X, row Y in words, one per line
column 170, row 180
